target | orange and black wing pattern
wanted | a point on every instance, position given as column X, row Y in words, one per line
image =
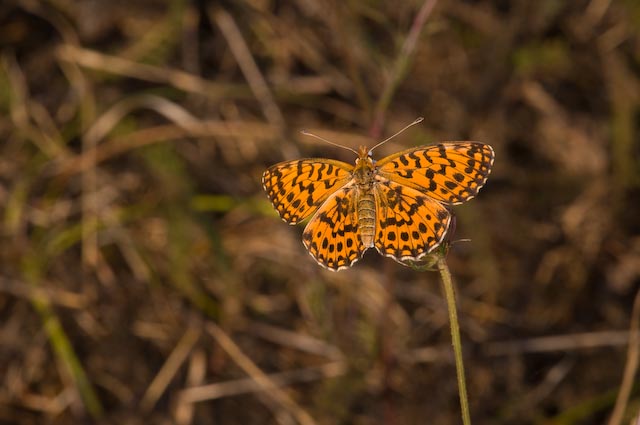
column 449, row 172
column 297, row 188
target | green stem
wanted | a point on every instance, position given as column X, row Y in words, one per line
column 447, row 284
column 59, row 340
column 68, row 357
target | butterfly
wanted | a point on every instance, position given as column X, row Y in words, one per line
column 397, row 204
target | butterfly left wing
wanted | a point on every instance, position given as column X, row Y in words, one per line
column 409, row 223
column 297, row 188
column 331, row 236
column 450, row 172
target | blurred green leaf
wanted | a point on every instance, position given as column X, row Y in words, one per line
column 548, row 57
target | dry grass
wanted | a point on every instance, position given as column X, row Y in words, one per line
column 144, row 277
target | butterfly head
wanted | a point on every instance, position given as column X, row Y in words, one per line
column 364, row 152
column 365, row 166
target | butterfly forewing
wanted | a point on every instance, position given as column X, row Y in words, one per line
column 409, row 223
column 298, row 188
column 449, row 172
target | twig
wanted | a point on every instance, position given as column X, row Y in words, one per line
column 169, row 369
column 294, row 340
column 270, row 389
column 249, row 385
column 630, row 369
column 166, row 132
column 115, row 65
column 559, row 343
column 400, row 66
column 251, row 72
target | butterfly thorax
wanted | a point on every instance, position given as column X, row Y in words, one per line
column 364, row 176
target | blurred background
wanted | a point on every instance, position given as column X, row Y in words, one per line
column 146, row 278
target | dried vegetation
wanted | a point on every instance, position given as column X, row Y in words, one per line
column 144, row 278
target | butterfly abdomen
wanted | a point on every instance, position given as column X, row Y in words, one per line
column 366, row 208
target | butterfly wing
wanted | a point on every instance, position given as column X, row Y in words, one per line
column 409, row 223
column 450, row 172
column 297, row 188
column 331, row 235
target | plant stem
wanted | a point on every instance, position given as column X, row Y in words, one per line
column 401, row 66
column 59, row 340
column 447, row 285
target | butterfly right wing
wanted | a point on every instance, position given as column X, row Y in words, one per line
column 297, row 188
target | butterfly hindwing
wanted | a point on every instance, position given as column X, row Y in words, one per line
column 331, row 236
column 409, row 223
column 297, row 188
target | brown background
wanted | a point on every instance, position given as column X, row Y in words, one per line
column 140, row 259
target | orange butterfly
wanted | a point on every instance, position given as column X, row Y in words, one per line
column 397, row 204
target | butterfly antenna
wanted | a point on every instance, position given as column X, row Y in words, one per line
column 306, row 133
column 416, row 121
